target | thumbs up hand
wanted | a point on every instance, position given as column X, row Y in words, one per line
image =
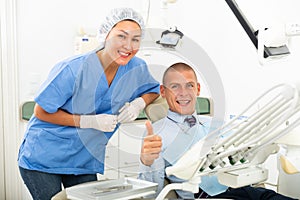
column 151, row 146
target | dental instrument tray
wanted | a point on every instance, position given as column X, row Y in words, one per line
column 119, row 189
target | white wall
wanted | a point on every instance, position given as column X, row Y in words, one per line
column 46, row 31
column 215, row 28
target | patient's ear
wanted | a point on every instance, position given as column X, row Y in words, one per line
column 198, row 89
column 162, row 91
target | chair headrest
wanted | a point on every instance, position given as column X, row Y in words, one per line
column 157, row 110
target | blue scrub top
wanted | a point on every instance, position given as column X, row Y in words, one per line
column 79, row 86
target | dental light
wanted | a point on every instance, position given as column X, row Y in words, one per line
column 271, row 42
column 170, row 38
column 241, row 146
column 274, row 40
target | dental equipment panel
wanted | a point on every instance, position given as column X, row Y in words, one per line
column 239, row 147
column 170, row 38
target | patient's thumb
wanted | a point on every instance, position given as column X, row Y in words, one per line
column 149, row 127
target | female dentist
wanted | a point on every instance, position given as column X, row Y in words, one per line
column 81, row 104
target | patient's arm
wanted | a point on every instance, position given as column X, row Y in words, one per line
column 151, row 146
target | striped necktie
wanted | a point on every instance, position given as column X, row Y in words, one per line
column 190, row 120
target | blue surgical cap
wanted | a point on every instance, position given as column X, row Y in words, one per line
column 114, row 17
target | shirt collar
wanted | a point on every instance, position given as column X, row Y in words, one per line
column 180, row 118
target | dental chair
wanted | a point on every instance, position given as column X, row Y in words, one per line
column 27, row 109
column 289, row 165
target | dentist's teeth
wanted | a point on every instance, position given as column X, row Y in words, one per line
column 124, row 54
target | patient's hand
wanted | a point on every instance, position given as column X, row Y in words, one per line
column 151, row 146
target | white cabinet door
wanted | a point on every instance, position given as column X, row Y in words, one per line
column 130, row 140
column 123, row 152
column 129, row 172
column 108, row 174
column 112, row 158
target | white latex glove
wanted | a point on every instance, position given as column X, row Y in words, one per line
column 130, row 111
column 102, row 122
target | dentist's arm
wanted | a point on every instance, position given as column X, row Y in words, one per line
column 102, row 122
column 60, row 117
column 149, row 98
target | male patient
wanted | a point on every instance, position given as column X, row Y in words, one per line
column 172, row 136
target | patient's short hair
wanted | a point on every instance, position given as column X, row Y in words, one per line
column 180, row 66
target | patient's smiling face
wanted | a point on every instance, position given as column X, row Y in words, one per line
column 180, row 89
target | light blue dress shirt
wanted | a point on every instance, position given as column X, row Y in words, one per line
column 177, row 138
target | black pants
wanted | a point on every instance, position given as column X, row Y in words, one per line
column 251, row 193
column 42, row 186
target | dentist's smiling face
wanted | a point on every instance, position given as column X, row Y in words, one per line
column 181, row 89
column 123, row 41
